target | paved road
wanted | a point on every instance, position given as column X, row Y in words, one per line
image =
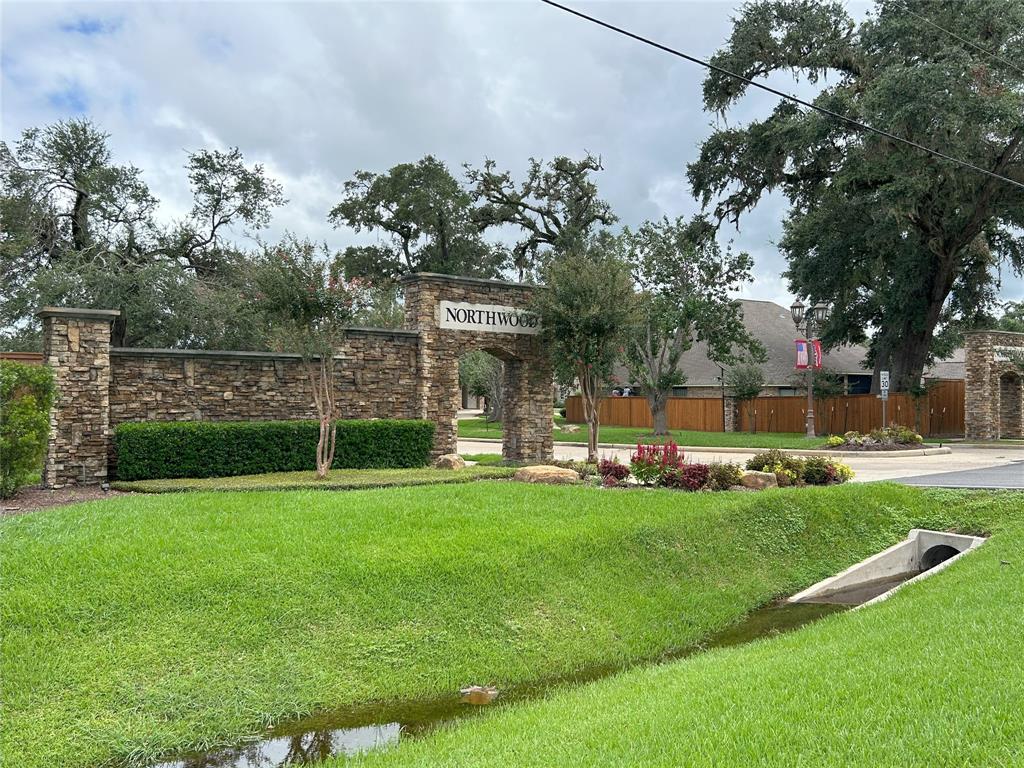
column 1005, row 476
column 965, row 467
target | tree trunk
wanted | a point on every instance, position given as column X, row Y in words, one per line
column 119, row 329
column 589, row 390
column 658, row 401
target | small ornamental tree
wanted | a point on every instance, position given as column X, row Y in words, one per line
column 745, row 381
column 586, row 309
column 308, row 305
column 26, row 395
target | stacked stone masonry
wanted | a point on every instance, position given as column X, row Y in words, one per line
column 76, row 345
column 410, row 373
column 994, row 405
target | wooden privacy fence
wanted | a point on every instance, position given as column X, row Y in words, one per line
column 699, row 414
column 938, row 413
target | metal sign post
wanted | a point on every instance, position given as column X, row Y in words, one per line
column 883, row 385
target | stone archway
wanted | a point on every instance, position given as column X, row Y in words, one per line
column 1011, row 405
column 994, row 387
column 454, row 315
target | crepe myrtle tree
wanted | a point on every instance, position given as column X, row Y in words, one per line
column 586, row 309
column 308, row 304
column 906, row 247
column 684, row 283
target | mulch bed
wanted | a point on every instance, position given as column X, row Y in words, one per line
column 34, row 498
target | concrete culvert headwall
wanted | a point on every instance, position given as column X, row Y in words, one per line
column 921, row 554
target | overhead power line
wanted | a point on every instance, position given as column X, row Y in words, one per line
column 781, row 94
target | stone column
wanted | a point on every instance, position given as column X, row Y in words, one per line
column 981, row 389
column 731, row 415
column 76, row 346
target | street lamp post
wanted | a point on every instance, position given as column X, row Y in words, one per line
column 812, row 321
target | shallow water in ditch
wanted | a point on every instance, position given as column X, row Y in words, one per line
column 353, row 730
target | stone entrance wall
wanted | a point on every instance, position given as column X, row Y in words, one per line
column 528, row 406
column 994, row 396
column 410, row 373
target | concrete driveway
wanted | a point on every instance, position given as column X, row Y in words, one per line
column 965, row 467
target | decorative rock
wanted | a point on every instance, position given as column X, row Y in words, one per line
column 478, row 694
column 544, row 473
column 449, row 461
column 759, row 480
column 571, row 428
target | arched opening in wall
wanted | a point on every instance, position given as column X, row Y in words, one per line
column 1011, row 406
column 940, row 553
column 482, row 384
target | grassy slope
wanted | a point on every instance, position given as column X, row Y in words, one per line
column 477, row 428
column 933, row 676
column 147, row 623
column 337, row 479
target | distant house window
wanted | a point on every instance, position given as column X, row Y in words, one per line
column 858, row 385
column 680, row 391
column 789, row 392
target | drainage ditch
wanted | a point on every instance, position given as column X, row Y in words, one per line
column 347, row 732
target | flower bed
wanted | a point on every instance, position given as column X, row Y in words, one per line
column 891, row 438
column 665, row 466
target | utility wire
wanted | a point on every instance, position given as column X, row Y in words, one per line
column 782, row 94
column 964, row 40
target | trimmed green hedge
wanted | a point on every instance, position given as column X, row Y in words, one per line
column 152, row 450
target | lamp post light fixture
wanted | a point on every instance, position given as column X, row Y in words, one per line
column 810, row 321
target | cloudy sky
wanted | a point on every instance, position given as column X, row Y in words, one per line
column 317, row 90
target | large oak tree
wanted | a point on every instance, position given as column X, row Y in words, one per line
column 906, row 246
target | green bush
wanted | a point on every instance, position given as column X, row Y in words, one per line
column 152, row 450
column 724, row 475
column 26, row 396
column 824, row 470
column 777, row 461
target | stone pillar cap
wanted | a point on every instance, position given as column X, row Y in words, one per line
column 85, row 314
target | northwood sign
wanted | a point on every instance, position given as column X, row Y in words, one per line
column 488, row 318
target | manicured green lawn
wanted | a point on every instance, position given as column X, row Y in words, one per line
column 142, row 624
column 337, row 479
column 480, row 427
column 934, row 676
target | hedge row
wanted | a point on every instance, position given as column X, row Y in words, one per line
column 152, row 450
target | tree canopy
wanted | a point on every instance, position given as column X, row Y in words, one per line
column 426, row 219
column 905, row 246
column 557, row 207
column 80, row 229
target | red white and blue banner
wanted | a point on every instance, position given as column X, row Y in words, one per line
column 808, row 354
column 801, row 353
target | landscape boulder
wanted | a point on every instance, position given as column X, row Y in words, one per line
column 544, row 473
column 570, row 428
column 759, row 480
column 449, row 461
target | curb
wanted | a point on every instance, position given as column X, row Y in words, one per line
column 937, row 451
column 986, row 446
